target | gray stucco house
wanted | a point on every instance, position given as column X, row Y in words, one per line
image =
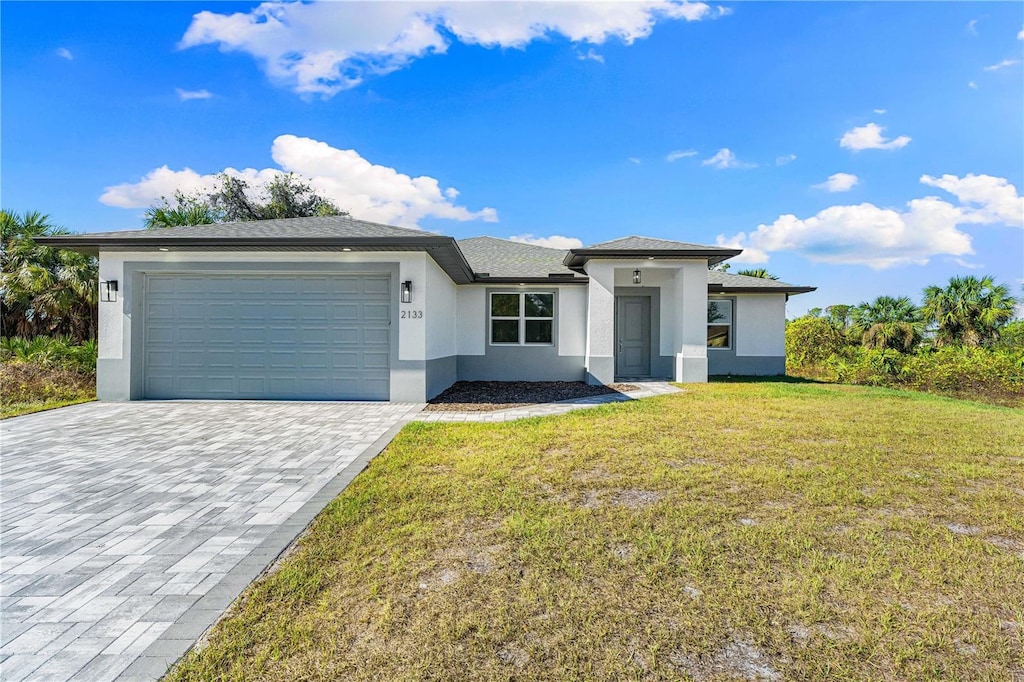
column 336, row 308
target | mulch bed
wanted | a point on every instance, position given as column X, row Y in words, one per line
column 485, row 396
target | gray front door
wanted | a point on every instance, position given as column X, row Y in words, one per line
column 267, row 336
column 633, row 336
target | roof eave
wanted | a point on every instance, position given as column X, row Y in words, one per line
column 716, row 288
column 443, row 250
column 576, row 258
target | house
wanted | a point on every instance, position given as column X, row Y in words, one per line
column 337, row 308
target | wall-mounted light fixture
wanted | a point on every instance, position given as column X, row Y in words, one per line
column 108, row 290
column 636, row 277
column 407, row 291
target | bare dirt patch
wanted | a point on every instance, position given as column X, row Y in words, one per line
column 738, row 658
column 634, row 499
column 485, row 396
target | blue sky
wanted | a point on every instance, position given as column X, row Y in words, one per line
column 864, row 148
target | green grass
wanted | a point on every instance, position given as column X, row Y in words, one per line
column 796, row 531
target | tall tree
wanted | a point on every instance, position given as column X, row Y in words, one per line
column 969, row 310
column 888, row 322
column 757, row 272
column 44, row 290
column 234, row 199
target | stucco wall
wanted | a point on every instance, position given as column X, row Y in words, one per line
column 759, row 337
column 119, row 373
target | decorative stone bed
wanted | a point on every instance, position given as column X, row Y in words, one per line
column 485, row 396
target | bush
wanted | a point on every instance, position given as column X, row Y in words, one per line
column 58, row 352
column 812, row 340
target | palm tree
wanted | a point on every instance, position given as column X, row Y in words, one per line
column 757, row 272
column 888, row 322
column 44, row 290
column 186, row 210
column 969, row 311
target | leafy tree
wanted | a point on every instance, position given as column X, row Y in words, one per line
column 888, row 322
column 813, row 312
column 840, row 314
column 233, row 199
column 757, row 272
column 811, row 340
column 44, row 290
column 720, row 267
column 969, row 311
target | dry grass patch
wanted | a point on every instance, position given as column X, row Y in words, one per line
column 26, row 387
column 736, row 531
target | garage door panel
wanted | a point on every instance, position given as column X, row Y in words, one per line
column 372, row 311
column 267, row 336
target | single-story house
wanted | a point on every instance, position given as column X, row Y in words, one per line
column 335, row 308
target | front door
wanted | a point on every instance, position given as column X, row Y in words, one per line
column 633, row 336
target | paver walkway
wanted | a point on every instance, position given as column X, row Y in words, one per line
column 647, row 389
column 126, row 529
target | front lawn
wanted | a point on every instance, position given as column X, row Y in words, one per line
column 735, row 531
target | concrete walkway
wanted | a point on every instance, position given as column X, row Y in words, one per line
column 647, row 390
column 128, row 528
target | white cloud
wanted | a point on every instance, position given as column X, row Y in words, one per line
column 838, row 182
column 1020, row 36
column 366, row 190
column 966, row 264
column 634, row 160
column 65, row 53
column 870, row 137
column 591, row 55
column 186, row 95
column 555, row 241
column 1002, row 65
column 783, row 160
column 972, row 85
column 724, row 158
column 972, row 27
column 880, row 112
column 879, row 238
column 324, row 48
column 990, row 199
column 680, row 154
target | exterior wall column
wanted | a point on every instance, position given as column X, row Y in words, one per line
column 690, row 342
column 600, row 348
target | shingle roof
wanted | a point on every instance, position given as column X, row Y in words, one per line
column 501, row 258
column 635, row 243
column 293, row 228
column 646, row 247
column 724, row 281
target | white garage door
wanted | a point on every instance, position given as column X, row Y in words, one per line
column 274, row 337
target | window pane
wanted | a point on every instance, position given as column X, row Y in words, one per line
column 718, row 336
column 504, row 331
column 540, row 305
column 505, row 305
column 720, row 311
column 538, row 331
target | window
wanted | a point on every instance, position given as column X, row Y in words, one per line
column 526, row 318
column 719, row 323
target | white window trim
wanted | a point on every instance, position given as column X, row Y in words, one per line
column 731, row 322
column 522, row 318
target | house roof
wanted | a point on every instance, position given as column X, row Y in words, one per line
column 479, row 259
column 726, row 282
column 497, row 260
column 326, row 233
column 647, row 247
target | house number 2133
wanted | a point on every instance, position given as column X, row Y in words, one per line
column 412, row 314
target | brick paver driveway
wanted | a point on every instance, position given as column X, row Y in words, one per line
column 127, row 528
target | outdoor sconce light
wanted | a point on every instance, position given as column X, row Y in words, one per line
column 636, row 277
column 108, row 290
column 407, row 291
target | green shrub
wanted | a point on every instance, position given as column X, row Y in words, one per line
column 810, row 341
column 58, row 352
